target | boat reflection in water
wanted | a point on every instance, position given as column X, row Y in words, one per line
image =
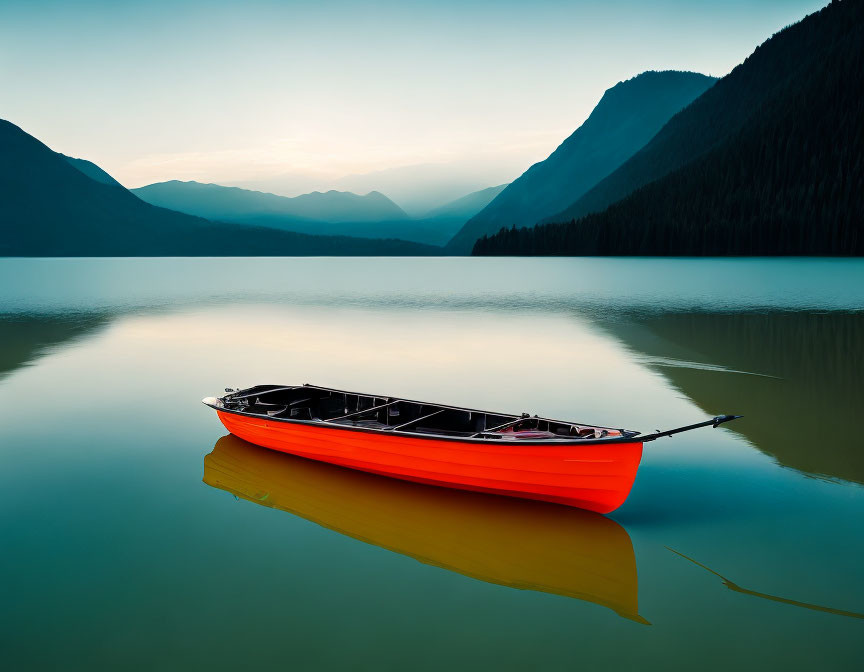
column 510, row 542
column 731, row 585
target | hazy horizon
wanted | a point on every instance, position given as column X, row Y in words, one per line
column 289, row 98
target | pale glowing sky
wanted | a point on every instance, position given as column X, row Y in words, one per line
column 298, row 94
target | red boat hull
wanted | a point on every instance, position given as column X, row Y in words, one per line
column 597, row 477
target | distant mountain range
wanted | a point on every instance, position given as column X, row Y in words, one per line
column 52, row 205
column 627, row 116
column 333, row 213
column 417, row 188
column 234, row 204
column 766, row 162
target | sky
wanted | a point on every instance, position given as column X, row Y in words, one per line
column 294, row 96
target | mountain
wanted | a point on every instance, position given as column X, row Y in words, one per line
column 466, row 207
column 766, row 162
column 91, row 170
column 333, row 213
column 48, row 207
column 627, row 116
column 774, row 70
column 234, row 204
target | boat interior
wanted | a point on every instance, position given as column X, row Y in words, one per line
column 336, row 407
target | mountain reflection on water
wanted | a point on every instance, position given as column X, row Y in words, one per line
column 25, row 338
column 113, row 543
column 511, row 542
column 796, row 376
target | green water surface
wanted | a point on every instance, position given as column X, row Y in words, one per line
column 747, row 541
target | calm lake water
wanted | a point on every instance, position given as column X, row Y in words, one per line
column 135, row 535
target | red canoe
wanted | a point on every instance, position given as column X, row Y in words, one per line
column 570, row 463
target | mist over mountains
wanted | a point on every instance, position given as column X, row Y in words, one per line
column 421, row 188
column 467, row 206
column 416, row 188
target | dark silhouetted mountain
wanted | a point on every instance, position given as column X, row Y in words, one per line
column 50, row 208
column 234, row 204
column 466, row 207
column 774, row 69
column 627, row 116
column 769, row 161
column 785, row 179
column 91, row 170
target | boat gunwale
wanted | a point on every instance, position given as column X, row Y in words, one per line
column 568, row 442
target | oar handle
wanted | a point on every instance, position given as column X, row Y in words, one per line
column 713, row 422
